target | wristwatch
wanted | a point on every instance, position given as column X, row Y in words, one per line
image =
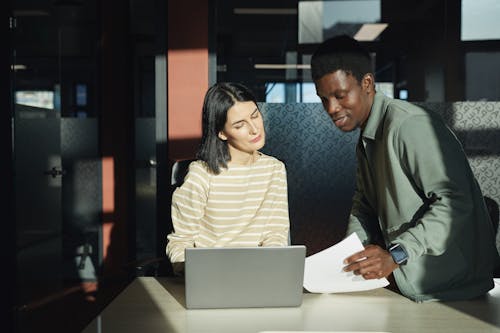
column 398, row 254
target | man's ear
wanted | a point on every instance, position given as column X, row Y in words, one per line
column 222, row 136
column 368, row 82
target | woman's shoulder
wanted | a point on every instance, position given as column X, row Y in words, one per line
column 197, row 173
column 198, row 166
column 270, row 160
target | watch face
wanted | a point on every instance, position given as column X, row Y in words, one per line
column 398, row 254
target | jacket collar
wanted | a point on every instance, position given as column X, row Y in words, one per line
column 376, row 116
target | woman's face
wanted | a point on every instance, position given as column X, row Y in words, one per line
column 244, row 130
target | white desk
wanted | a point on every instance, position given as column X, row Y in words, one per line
column 151, row 305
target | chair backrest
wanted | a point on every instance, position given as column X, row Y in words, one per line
column 493, row 210
column 179, row 171
column 492, row 206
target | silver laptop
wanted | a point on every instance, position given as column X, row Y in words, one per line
column 244, row 277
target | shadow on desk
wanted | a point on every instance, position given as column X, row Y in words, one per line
column 176, row 288
column 485, row 308
column 146, row 300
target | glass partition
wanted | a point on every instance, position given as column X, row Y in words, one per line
column 422, row 51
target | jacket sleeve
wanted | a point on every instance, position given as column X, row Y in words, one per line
column 435, row 163
column 276, row 209
column 188, row 208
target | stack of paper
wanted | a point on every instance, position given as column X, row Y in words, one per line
column 323, row 271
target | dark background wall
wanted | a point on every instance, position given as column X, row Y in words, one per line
column 7, row 241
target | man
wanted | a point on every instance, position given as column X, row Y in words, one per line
column 417, row 206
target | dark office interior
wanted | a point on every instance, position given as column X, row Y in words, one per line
column 86, row 139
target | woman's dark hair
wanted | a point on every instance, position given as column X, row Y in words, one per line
column 218, row 100
column 340, row 53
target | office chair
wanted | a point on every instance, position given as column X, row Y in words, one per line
column 179, row 171
column 493, row 211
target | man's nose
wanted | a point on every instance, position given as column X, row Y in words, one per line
column 333, row 106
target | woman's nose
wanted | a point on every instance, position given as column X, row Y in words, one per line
column 253, row 128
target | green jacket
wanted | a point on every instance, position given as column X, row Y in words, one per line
column 415, row 183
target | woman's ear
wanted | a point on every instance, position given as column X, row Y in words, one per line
column 222, row 136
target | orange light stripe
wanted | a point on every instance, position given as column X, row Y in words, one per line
column 108, row 202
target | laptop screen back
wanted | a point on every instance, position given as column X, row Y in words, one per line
column 244, row 277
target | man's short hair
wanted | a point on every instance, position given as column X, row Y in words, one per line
column 340, row 53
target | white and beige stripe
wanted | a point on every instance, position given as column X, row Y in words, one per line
column 242, row 206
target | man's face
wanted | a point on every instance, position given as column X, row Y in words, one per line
column 347, row 101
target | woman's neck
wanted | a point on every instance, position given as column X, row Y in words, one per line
column 244, row 159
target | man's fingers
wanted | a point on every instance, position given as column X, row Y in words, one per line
column 373, row 275
column 355, row 258
column 372, row 263
column 369, row 251
column 367, row 265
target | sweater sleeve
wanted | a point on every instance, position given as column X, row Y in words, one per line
column 276, row 205
column 188, row 208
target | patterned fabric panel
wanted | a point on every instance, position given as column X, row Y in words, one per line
column 321, row 167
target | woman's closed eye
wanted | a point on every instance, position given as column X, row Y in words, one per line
column 239, row 125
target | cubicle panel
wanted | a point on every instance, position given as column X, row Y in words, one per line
column 321, row 168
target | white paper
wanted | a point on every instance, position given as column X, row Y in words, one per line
column 323, row 271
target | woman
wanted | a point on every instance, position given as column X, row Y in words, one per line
column 233, row 195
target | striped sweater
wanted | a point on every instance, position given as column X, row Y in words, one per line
column 242, row 206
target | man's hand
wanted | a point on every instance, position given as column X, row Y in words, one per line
column 373, row 262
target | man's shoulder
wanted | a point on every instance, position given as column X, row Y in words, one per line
column 397, row 108
column 398, row 112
